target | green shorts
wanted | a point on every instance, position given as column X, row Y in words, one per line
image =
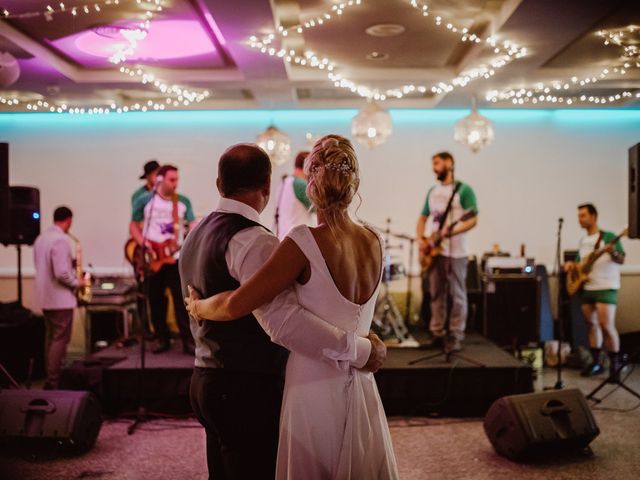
column 599, row 296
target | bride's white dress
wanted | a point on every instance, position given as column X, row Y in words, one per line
column 332, row 425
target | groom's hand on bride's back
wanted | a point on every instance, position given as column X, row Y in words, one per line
column 378, row 353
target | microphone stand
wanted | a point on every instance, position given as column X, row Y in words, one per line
column 277, row 215
column 141, row 415
column 559, row 383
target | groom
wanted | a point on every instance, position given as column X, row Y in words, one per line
column 236, row 386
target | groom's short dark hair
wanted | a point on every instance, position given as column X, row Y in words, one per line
column 243, row 167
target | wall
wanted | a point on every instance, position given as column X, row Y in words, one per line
column 540, row 166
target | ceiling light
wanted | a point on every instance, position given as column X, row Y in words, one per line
column 377, row 56
column 276, row 143
column 475, row 131
column 385, row 30
column 372, row 125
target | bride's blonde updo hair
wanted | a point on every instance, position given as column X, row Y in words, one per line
column 333, row 176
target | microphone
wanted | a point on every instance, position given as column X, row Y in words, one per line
column 157, row 183
column 560, row 220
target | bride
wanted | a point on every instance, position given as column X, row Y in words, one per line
column 332, row 423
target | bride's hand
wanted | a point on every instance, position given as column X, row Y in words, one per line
column 191, row 303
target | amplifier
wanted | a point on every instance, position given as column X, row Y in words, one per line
column 113, row 291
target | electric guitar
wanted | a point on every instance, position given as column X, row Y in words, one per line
column 578, row 273
column 434, row 243
column 154, row 257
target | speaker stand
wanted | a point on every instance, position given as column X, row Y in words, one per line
column 620, row 383
column 19, row 249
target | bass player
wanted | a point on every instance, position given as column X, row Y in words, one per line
column 162, row 217
column 599, row 295
column 445, row 203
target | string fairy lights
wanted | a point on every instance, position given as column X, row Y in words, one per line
column 137, row 34
column 563, row 92
column 173, row 95
column 57, row 10
column 507, row 51
column 53, row 11
column 628, row 38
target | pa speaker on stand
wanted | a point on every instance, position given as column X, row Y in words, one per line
column 634, row 191
column 24, row 215
column 24, row 223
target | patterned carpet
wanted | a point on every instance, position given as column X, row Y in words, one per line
column 426, row 448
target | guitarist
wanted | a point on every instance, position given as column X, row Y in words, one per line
column 445, row 204
column 599, row 296
column 160, row 217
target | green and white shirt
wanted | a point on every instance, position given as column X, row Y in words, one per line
column 160, row 226
column 295, row 207
column 435, row 206
column 138, row 193
column 605, row 274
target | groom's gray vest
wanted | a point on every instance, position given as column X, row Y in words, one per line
column 240, row 344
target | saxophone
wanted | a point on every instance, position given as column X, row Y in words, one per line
column 84, row 292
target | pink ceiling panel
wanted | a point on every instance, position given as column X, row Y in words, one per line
column 169, row 43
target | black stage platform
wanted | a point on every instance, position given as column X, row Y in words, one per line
column 435, row 386
column 463, row 385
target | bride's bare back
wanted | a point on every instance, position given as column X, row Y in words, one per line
column 353, row 257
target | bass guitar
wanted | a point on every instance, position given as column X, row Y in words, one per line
column 153, row 258
column 433, row 245
column 578, row 273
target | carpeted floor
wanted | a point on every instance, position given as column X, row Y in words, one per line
column 426, row 448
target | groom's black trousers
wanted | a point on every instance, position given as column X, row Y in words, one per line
column 240, row 412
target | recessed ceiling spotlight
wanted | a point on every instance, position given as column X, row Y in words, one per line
column 377, row 56
column 385, row 30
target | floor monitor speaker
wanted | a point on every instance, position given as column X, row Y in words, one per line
column 526, row 427
column 61, row 421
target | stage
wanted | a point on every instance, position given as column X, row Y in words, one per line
column 463, row 386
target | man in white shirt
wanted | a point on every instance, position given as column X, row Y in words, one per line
column 294, row 207
column 445, row 203
column 236, row 387
column 599, row 295
column 161, row 219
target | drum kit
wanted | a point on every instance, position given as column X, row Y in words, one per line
column 388, row 322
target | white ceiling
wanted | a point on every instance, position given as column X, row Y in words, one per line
column 560, row 38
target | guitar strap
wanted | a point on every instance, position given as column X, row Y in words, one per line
column 449, row 204
column 597, row 245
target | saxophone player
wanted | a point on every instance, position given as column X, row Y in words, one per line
column 56, row 286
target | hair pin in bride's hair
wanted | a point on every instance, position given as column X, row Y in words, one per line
column 342, row 166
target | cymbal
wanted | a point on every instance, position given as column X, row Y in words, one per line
column 384, row 231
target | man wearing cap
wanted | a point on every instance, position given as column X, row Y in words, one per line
column 149, row 175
